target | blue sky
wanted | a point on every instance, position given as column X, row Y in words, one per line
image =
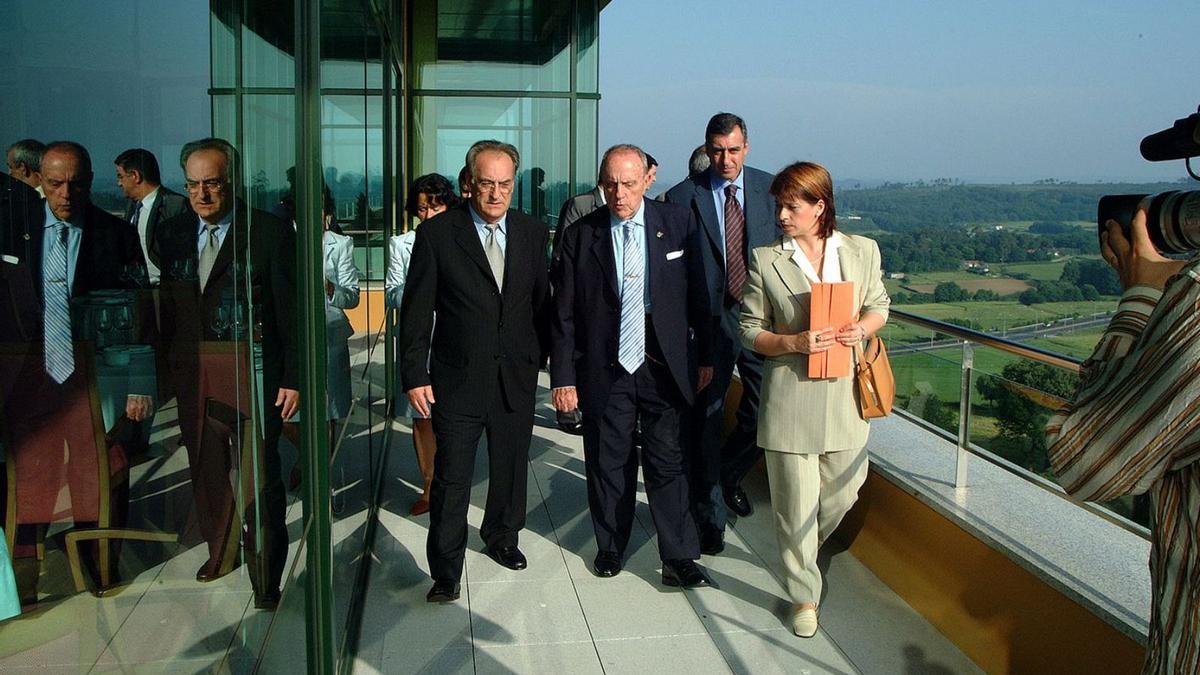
column 980, row 91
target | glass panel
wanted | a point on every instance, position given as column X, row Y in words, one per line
column 268, row 44
column 224, row 43
column 124, row 388
column 928, row 371
column 539, row 128
column 587, row 47
column 520, row 45
column 587, row 158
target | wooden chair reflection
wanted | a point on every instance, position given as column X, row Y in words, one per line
column 229, row 398
column 61, row 465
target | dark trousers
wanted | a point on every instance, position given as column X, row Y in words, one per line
column 214, row 447
column 611, row 464
column 508, row 434
column 715, row 466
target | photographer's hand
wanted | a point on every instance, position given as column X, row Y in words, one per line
column 1137, row 262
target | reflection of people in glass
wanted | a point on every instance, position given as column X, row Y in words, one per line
column 55, row 251
column 341, row 293
column 464, row 182
column 430, row 195
column 215, row 264
column 537, row 193
column 814, row 438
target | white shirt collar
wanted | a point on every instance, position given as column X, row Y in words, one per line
column 481, row 224
column 831, row 269
column 149, row 198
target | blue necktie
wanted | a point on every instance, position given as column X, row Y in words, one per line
column 633, row 304
column 137, row 212
column 60, row 357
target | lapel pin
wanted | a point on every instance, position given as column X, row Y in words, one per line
column 26, row 236
column 659, row 234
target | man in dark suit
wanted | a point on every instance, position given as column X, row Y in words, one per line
column 482, row 268
column 221, row 265
column 629, row 290
column 56, row 250
column 150, row 204
column 736, row 214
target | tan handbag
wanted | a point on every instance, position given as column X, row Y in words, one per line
column 873, row 379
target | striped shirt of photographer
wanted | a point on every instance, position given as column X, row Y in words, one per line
column 1134, row 427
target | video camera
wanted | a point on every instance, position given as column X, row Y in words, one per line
column 1173, row 217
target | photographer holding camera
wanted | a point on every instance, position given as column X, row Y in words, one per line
column 1134, row 426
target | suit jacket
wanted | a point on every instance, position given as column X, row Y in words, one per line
column 798, row 414
column 343, row 274
column 108, row 249
column 695, row 192
column 481, row 332
column 586, row 324
column 400, row 248
column 268, row 245
column 572, row 210
column 167, row 204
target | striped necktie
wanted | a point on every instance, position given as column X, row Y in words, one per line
column 59, row 353
column 632, row 350
column 735, row 244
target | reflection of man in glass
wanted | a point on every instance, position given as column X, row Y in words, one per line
column 67, row 249
column 229, row 272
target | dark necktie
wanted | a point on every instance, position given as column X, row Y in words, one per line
column 137, row 210
column 735, row 239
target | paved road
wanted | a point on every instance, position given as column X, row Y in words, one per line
column 1017, row 334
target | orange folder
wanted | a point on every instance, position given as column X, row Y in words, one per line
column 832, row 307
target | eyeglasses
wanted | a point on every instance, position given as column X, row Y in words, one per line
column 503, row 187
column 209, row 185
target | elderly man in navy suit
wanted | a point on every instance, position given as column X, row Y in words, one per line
column 736, row 213
column 630, row 300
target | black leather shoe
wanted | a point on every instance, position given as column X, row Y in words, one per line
column 607, row 564
column 712, row 541
column 571, row 422
column 268, row 600
column 685, row 574
column 508, row 556
column 443, row 591
column 738, row 502
column 210, row 571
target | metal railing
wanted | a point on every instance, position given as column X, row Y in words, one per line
column 968, row 339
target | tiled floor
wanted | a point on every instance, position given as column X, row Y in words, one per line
column 557, row 617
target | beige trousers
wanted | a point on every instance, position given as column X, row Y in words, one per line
column 810, row 494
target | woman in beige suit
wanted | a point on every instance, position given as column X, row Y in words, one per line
column 810, row 428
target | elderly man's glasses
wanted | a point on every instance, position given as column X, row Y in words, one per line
column 210, row 185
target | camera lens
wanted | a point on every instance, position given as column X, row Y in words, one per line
column 1172, row 218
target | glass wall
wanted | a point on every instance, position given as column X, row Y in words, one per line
column 164, row 506
column 521, row 71
column 153, row 465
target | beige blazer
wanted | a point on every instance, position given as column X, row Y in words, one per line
column 797, row 414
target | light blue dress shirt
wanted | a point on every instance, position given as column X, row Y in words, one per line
column 222, row 230
column 74, row 240
column 481, row 228
column 618, row 240
column 718, row 184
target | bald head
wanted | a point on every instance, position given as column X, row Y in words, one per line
column 67, row 179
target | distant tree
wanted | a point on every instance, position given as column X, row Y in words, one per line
column 1045, row 227
column 1089, row 292
column 1097, row 273
column 1019, row 418
column 929, row 407
column 948, row 291
column 1031, row 297
column 985, row 295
